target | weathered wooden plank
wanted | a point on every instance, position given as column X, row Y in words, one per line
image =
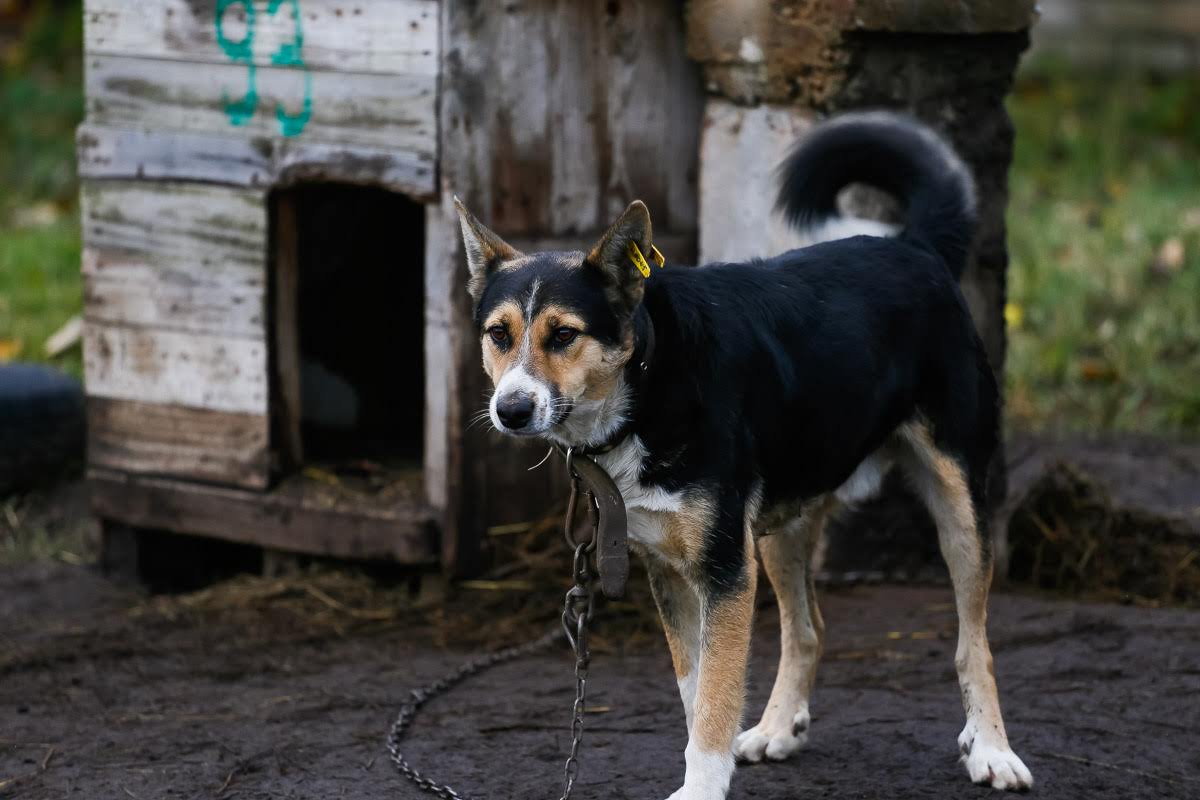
column 388, row 36
column 556, row 114
column 236, row 160
column 385, row 111
column 219, row 373
column 287, row 518
column 175, row 257
column 132, row 293
column 183, row 442
column 210, row 227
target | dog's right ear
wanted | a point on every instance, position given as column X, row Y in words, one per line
column 485, row 250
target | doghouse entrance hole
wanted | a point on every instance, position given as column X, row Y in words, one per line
column 348, row 319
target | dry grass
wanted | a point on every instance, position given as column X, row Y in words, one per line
column 1068, row 536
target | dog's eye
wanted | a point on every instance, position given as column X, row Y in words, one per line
column 565, row 335
column 498, row 333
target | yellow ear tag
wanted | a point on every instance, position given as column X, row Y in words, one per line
column 639, row 261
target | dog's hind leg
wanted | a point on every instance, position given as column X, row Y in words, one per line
column 787, row 559
column 943, row 486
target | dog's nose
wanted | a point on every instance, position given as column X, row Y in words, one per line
column 515, row 411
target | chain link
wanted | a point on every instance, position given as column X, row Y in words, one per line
column 577, row 613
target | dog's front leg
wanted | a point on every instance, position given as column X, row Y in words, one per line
column 721, row 647
column 680, row 610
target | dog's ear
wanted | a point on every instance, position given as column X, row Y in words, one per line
column 485, row 250
column 612, row 257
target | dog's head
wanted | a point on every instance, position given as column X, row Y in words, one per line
column 557, row 328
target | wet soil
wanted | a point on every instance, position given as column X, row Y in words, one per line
column 284, row 689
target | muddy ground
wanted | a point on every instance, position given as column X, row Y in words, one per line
column 284, row 689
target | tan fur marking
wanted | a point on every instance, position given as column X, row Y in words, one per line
column 948, row 473
column 720, row 693
column 684, row 530
column 678, row 607
column 496, row 361
column 679, row 660
column 585, row 368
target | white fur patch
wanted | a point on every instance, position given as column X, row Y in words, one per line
column 834, row 228
column 707, row 776
column 775, row 740
column 592, row 422
column 687, row 693
column 866, row 480
column 992, row 763
column 517, row 381
column 624, row 464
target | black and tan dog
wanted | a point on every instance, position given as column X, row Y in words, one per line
column 737, row 404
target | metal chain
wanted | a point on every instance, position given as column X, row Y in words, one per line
column 577, row 613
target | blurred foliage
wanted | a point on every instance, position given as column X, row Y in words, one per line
column 1104, row 234
column 41, row 103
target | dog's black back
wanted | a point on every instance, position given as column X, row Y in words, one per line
column 795, row 369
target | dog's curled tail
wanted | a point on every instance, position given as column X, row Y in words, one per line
column 892, row 152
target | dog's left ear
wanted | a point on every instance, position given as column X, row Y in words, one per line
column 611, row 255
column 485, row 250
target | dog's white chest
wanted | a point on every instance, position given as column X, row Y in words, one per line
column 644, row 505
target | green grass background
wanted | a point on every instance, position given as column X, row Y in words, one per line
column 41, row 102
column 1106, row 170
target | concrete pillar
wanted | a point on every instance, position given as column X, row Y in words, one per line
column 772, row 68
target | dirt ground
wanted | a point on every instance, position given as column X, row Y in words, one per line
column 285, row 688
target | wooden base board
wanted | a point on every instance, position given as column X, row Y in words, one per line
column 296, row 516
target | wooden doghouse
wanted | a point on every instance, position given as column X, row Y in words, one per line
column 278, row 345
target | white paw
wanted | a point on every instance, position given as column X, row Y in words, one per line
column 998, row 767
column 686, row 792
column 773, row 741
column 707, row 776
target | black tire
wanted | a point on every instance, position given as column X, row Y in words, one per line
column 42, row 427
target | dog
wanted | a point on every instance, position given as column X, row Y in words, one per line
column 737, row 405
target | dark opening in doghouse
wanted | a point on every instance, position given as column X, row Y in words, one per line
column 348, row 316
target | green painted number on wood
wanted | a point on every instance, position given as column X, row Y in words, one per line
column 289, row 55
column 242, row 52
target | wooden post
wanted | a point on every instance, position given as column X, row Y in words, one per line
column 284, row 299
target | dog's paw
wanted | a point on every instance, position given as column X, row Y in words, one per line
column 701, row 791
column 999, row 767
column 686, row 792
column 775, row 742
